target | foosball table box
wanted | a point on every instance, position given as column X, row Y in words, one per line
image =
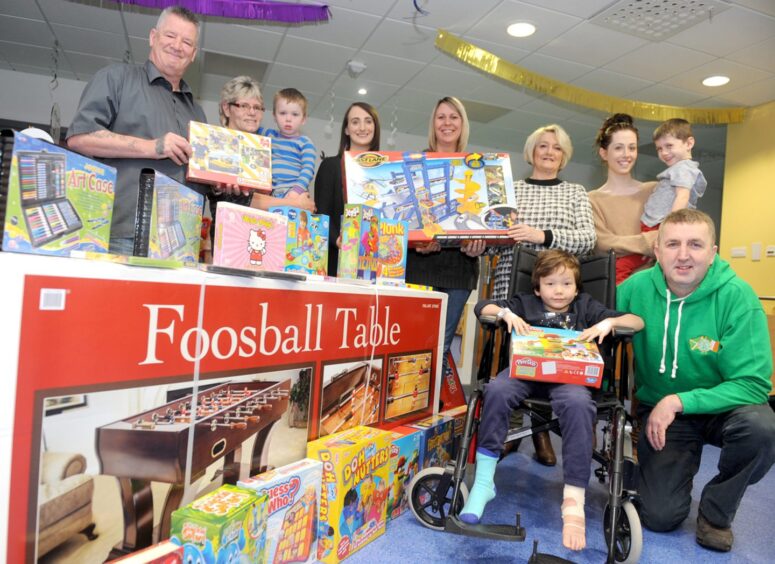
column 294, row 498
column 353, row 500
column 405, row 463
column 438, row 432
column 226, row 525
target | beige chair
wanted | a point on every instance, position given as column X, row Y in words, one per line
column 64, row 500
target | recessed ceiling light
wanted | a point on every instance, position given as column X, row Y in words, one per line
column 521, row 29
column 715, row 81
column 362, row 91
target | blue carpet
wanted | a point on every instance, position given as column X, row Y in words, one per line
column 535, row 491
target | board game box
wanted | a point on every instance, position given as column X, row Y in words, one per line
column 227, row 156
column 225, row 525
column 393, row 246
column 249, row 238
column 449, row 197
column 168, row 224
column 405, row 463
column 164, row 552
column 438, row 432
column 306, row 244
column 53, row 201
column 555, row 356
column 294, row 499
column 359, row 253
column 353, row 500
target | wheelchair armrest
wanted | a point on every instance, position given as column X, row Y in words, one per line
column 622, row 333
column 488, row 320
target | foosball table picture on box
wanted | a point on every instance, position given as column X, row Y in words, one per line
column 350, row 398
column 152, row 446
column 294, row 499
column 408, row 384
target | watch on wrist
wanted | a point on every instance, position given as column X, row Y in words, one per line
column 502, row 313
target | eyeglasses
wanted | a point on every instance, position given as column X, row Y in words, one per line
column 247, row 107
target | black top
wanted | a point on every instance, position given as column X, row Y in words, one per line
column 136, row 100
column 329, row 199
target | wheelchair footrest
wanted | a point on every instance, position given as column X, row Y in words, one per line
column 514, row 533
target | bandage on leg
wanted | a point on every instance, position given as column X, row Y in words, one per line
column 574, row 534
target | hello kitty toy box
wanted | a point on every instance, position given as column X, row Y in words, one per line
column 249, row 239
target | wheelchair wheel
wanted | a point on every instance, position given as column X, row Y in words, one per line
column 430, row 507
column 628, row 536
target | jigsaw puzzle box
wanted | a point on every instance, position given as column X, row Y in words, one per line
column 227, row 156
column 53, row 201
column 294, row 498
column 353, row 499
column 555, row 356
column 450, row 197
column 249, row 238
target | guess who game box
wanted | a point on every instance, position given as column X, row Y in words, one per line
column 53, row 201
column 359, row 253
column 227, row 156
column 556, row 356
column 450, row 197
column 405, row 463
column 226, row 525
column 168, row 224
column 294, row 499
column 353, row 500
column 306, row 243
column 393, row 246
column 438, row 432
column 249, row 239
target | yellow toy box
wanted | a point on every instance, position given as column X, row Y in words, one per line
column 353, row 500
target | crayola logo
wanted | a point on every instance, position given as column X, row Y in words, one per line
column 370, row 160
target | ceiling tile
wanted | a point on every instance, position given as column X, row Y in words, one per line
column 758, row 55
column 240, row 40
column 585, row 9
column 727, row 32
column 503, row 94
column 29, row 55
column 591, row 45
column 753, row 94
column 306, row 80
column 741, row 75
column 377, row 7
column 82, row 15
column 91, row 41
column 359, row 27
column 391, row 70
column 140, row 24
column 378, row 92
column 648, row 62
column 611, row 83
column 417, row 100
column 85, row 65
column 403, row 40
column 441, row 79
column 507, row 52
column 665, row 94
column 764, row 6
column 547, row 106
column 453, row 16
column 558, row 69
column 29, row 32
column 313, row 54
column 20, row 9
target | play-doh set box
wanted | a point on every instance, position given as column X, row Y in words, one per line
column 227, row 156
column 556, row 356
column 53, row 201
column 225, row 525
column 168, row 224
column 249, row 238
column 294, row 499
column 359, row 253
column 393, row 246
column 353, row 500
column 306, row 243
column 449, row 197
column 438, row 439
column 405, row 463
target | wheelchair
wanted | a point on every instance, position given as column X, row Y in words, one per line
column 437, row 495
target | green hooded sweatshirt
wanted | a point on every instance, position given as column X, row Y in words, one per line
column 720, row 331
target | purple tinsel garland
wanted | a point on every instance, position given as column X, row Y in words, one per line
column 244, row 9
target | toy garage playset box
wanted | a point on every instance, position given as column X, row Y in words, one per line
column 555, row 356
column 450, row 197
column 294, row 498
column 53, row 201
column 227, row 156
column 353, row 500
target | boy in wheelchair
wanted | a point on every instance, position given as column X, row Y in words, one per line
column 555, row 302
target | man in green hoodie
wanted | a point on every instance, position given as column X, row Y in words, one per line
column 702, row 373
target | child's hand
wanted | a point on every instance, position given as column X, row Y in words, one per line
column 597, row 331
column 230, row 189
column 516, row 323
column 301, row 200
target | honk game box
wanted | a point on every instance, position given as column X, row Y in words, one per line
column 249, row 239
column 556, row 356
column 294, row 500
column 393, row 246
column 353, row 501
column 227, row 156
column 53, row 201
column 359, row 253
column 226, row 525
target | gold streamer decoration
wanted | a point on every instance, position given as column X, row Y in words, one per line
column 520, row 76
